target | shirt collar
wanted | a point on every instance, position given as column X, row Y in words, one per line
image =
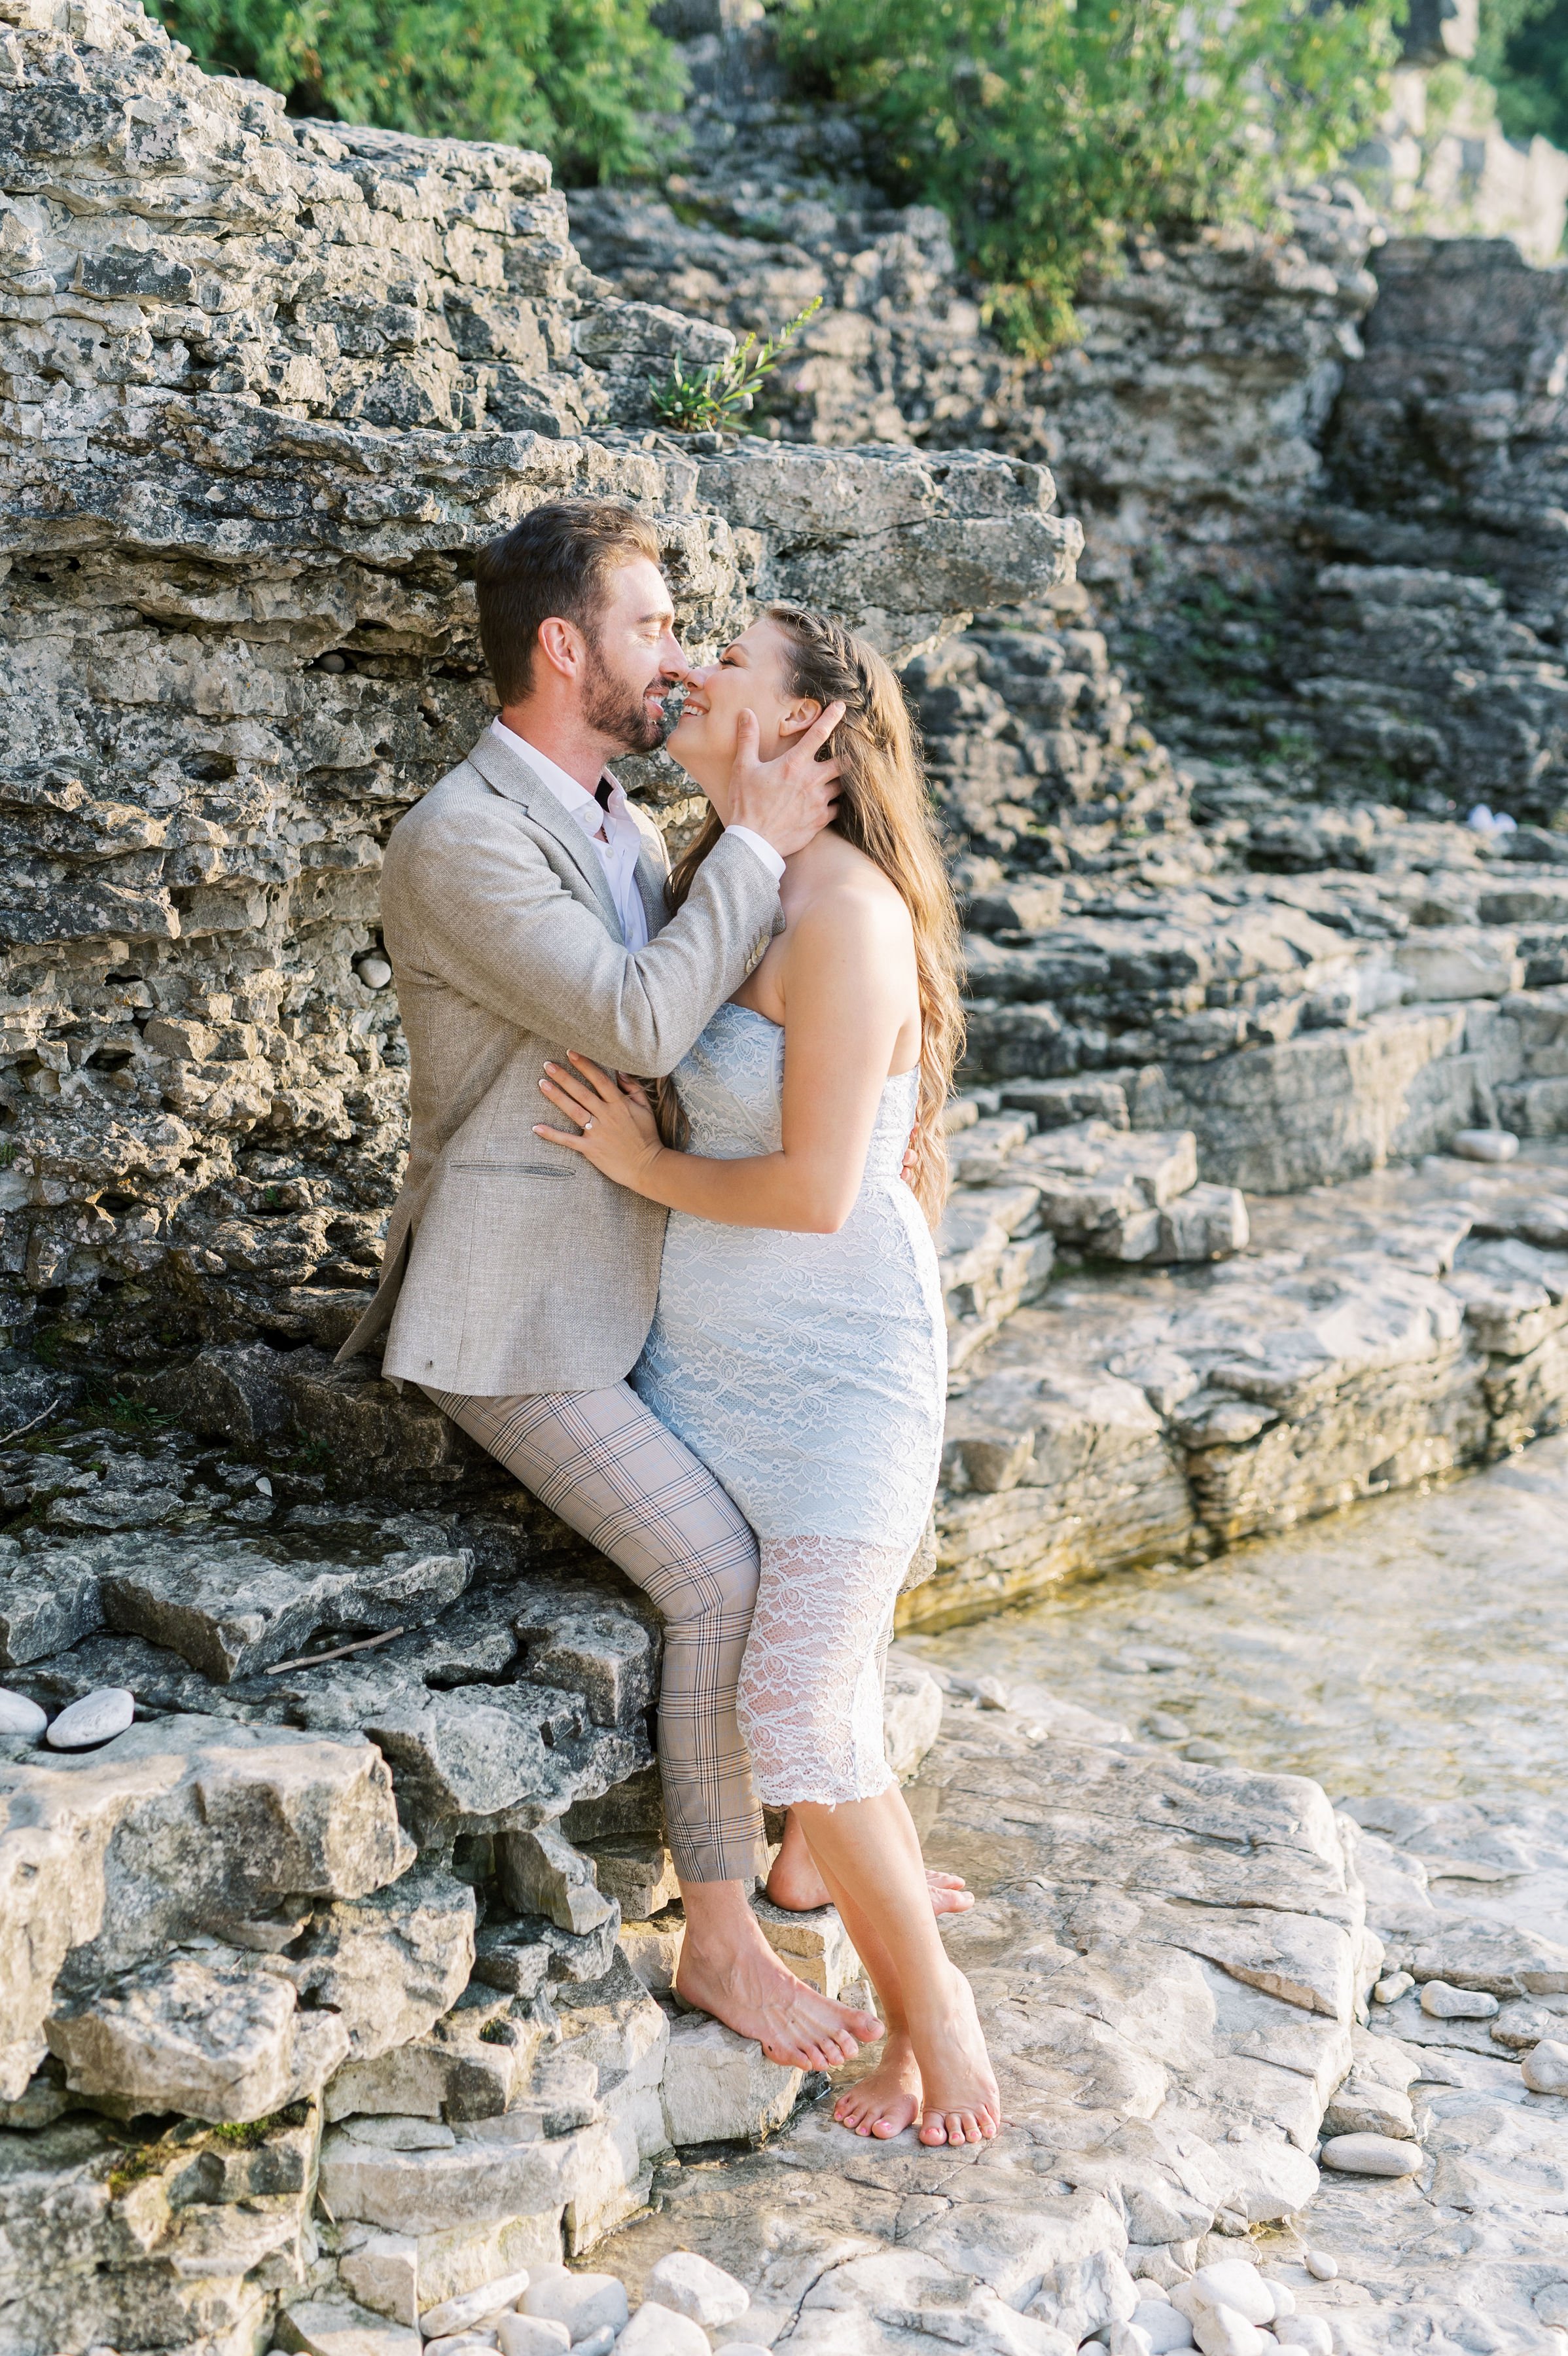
column 584, row 806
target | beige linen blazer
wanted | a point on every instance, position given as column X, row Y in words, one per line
column 511, row 1264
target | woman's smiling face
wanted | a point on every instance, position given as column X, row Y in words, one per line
column 752, row 674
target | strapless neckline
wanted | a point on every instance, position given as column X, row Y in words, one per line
column 734, row 1006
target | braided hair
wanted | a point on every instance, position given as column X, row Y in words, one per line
column 886, row 812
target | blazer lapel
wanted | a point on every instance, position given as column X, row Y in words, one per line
column 650, row 875
column 510, row 774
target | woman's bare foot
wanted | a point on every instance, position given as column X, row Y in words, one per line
column 795, row 1884
column 754, row 1994
column 960, row 2101
column 887, row 2099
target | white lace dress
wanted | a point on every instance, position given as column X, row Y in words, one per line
column 808, row 1374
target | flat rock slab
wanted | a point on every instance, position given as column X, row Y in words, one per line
column 230, row 1608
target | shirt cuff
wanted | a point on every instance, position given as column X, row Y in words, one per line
column 764, row 851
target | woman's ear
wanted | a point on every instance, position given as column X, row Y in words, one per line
column 799, row 717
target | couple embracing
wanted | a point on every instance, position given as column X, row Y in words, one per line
column 697, row 1312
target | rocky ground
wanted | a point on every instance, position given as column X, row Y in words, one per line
column 1175, row 1961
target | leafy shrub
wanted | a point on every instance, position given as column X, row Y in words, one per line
column 1046, row 128
column 1523, row 52
column 577, row 78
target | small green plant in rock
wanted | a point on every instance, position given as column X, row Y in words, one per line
column 135, row 2165
column 724, row 391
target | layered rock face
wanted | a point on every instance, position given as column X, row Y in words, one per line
column 268, row 388
column 1318, row 500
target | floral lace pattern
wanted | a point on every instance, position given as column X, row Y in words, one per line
column 808, row 1374
column 811, row 1683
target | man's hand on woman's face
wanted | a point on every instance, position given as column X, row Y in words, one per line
column 789, row 800
column 617, row 1131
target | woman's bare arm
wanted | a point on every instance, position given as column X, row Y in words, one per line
column 846, row 982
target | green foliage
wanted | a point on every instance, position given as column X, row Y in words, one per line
column 717, row 395
column 1523, row 53
column 1047, row 128
column 577, row 78
column 134, row 2165
column 249, row 2135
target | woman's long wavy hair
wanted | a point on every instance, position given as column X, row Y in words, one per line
column 884, row 810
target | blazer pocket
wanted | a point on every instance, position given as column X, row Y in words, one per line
column 515, row 1169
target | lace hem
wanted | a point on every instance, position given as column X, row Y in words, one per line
column 810, row 1684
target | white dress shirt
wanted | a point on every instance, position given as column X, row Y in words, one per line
column 615, row 833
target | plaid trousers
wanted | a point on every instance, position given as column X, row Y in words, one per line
column 609, row 1469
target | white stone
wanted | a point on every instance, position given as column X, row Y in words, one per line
column 598, row 2343
column 1320, row 2264
column 1373, row 2155
column 1220, row 2331
column 383, row 2274
column 1444, row 2003
column 656, row 2331
column 720, row 2088
column 582, row 2302
column 1230, row 2283
column 455, row 2343
column 1485, row 1144
column 1545, row 2068
column 337, row 2328
column 475, row 2306
column 1165, row 2326
column 20, row 1715
column 1130, row 2339
column 531, row 2335
column 96, row 1718
column 1448, row 962
column 694, row 2285
column 1390, row 1990
column 374, row 972
column 1308, row 2332
column 1284, row 2298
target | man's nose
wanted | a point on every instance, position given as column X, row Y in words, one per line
column 673, row 663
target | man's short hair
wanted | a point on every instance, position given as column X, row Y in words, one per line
column 557, row 562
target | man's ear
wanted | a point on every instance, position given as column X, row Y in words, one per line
column 799, row 717
column 561, row 644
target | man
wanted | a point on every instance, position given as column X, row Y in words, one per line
column 522, row 909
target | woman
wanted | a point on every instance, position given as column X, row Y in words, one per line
column 798, row 1347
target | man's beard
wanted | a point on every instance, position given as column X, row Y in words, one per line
column 619, row 711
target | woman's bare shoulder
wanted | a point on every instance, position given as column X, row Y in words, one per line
column 844, row 889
